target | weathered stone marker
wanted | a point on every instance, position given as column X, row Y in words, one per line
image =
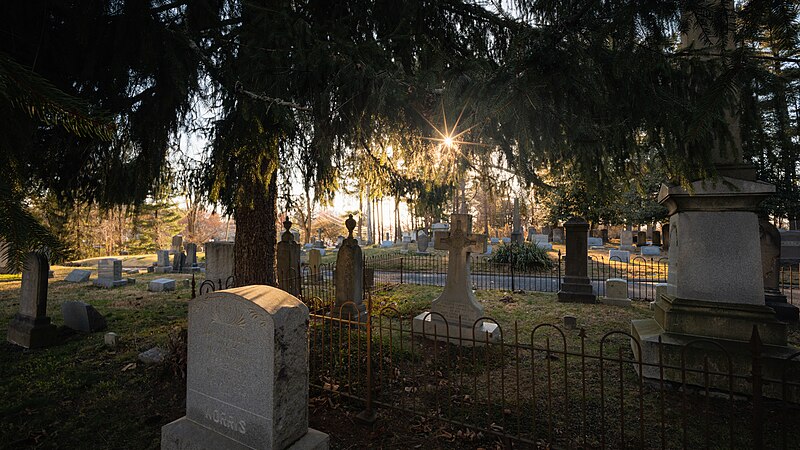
column 109, row 273
column 191, row 255
column 349, row 278
column 82, row 317
column 31, row 328
column 247, row 374
column 288, row 261
column 219, row 262
column 516, row 233
column 314, row 263
column 626, row 240
column 558, row 235
column 770, row 257
column 161, row 285
column 456, row 311
column 163, row 265
column 177, row 244
column 576, row 286
column 616, row 293
column 78, row 276
column 422, row 241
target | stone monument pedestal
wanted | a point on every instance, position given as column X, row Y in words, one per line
column 715, row 290
column 31, row 328
column 577, row 288
column 31, row 332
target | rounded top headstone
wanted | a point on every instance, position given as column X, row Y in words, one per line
column 350, row 223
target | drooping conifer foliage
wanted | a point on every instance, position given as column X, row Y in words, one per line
column 589, row 89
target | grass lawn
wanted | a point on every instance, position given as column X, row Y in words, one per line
column 81, row 394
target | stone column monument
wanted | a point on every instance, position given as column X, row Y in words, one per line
column 456, row 312
column 715, row 284
column 576, row 286
column 516, row 234
column 349, row 278
column 288, row 261
column 30, row 327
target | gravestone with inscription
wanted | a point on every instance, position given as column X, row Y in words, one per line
column 30, row 327
column 288, row 261
column 247, row 374
column 455, row 314
column 616, row 293
column 177, row 244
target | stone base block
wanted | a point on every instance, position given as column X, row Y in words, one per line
column 104, row 283
column 729, row 321
column 434, row 328
column 165, row 269
column 624, row 302
column 185, row 433
column 576, row 293
column 785, row 311
column 691, row 352
column 31, row 333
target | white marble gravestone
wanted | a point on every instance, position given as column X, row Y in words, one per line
column 455, row 314
column 616, row 293
column 220, row 257
column 247, row 374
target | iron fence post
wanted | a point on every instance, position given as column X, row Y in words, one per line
column 193, row 287
column 758, row 415
column 368, row 416
column 513, row 246
column 559, row 270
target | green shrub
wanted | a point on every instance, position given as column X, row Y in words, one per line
column 527, row 257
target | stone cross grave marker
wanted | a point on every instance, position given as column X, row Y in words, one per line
column 30, row 327
column 247, row 374
column 456, row 310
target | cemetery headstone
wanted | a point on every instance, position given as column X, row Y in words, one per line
column 247, row 374
column 314, row 262
column 657, row 238
column 4, row 258
column 576, row 286
column 30, row 327
column 82, row 317
column 455, row 313
column 626, row 240
column 161, row 285
column 570, row 322
column 387, row 244
column 604, row 235
column 178, row 261
column 349, row 278
column 422, row 241
column 540, row 240
column 558, row 235
column 641, row 239
column 716, row 285
column 516, row 234
column 531, row 232
column 790, row 246
column 288, row 261
column 78, row 276
column 619, row 256
column 191, row 255
column 616, row 293
column 651, row 250
column 770, row 266
column 665, row 236
column 594, row 242
column 109, row 273
column 177, row 244
column 548, row 231
column 219, row 262
column 162, row 265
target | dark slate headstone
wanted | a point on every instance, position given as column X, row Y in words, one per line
column 82, row 317
column 657, row 238
column 641, row 239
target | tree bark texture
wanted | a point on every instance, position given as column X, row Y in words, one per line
column 256, row 234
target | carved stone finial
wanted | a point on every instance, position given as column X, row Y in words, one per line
column 287, row 235
column 350, row 223
column 287, row 223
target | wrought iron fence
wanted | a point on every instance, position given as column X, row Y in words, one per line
column 548, row 386
column 789, row 282
column 640, row 273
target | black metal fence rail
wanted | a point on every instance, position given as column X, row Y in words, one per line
column 552, row 387
column 789, row 282
column 640, row 273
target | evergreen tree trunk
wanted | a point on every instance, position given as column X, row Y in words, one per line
column 256, row 234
